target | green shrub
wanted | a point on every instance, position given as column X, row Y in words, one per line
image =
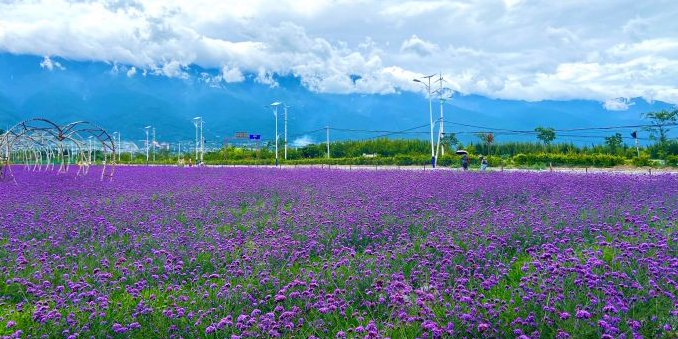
column 643, row 160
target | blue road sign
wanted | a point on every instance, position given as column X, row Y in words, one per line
column 255, row 136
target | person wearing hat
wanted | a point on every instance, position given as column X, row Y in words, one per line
column 464, row 161
column 483, row 163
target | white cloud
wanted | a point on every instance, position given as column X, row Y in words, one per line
column 50, row 64
column 302, row 141
column 172, row 69
column 131, row 71
column 212, row 81
column 232, row 74
column 500, row 48
column 417, row 8
column 618, row 104
column 266, row 78
column 418, row 46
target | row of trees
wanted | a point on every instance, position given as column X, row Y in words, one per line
column 660, row 124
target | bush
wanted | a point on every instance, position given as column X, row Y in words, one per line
column 520, row 159
column 643, row 160
column 672, row 160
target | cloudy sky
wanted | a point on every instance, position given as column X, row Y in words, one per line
column 606, row 50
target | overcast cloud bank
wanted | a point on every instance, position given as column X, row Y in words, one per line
column 605, row 50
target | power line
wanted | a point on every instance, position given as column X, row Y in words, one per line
column 568, row 129
column 398, row 132
column 371, row 130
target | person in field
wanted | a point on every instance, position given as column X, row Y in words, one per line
column 483, row 163
column 464, row 162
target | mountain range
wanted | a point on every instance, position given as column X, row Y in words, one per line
column 122, row 98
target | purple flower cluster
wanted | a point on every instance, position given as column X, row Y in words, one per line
column 163, row 252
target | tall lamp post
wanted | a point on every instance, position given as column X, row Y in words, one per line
column 119, row 147
column 441, row 129
column 442, row 94
column 430, row 113
column 285, row 109
column 147, row 128
column 116, row 135
column 275, row 114
column 153, row 144
column 90, row 150
column 199, row 143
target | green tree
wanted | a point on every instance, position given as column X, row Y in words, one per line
column 660, row 124
column 450, row 140
column 545, row 134
column 614, row 141
column 486, row 138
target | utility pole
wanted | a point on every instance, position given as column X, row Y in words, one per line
column 430, row 113
column 275, row 114
column 147, row 144
column 634, row 134
column 441, row 128
column 197, row 122
column 202, row 142
column 119, row 147
column 442, row 116
column 117, row 143
column 153, row 144
column 276, row 134
column 196, row 141
column 90, row 149
column 327, row 132
column 285, row 108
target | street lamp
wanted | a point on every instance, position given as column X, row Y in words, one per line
column 147, row 145
column 153, row 144
column 275, row 113
column 199, row 143
column 285, row 108
column 443, row 95
column 430, row 112
column 195, row 124
column 118, row 147
column 198, row 123
column 90, row 150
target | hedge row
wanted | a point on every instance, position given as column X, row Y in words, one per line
column 595, row 160
column 451, row 160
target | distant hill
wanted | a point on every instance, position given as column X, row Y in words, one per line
column 92, row 91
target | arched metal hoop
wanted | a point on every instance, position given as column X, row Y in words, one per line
column 41, row 145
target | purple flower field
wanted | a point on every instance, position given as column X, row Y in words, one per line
column 262, row 253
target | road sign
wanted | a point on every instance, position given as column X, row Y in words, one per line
column 255, row 136
column 241, row 135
